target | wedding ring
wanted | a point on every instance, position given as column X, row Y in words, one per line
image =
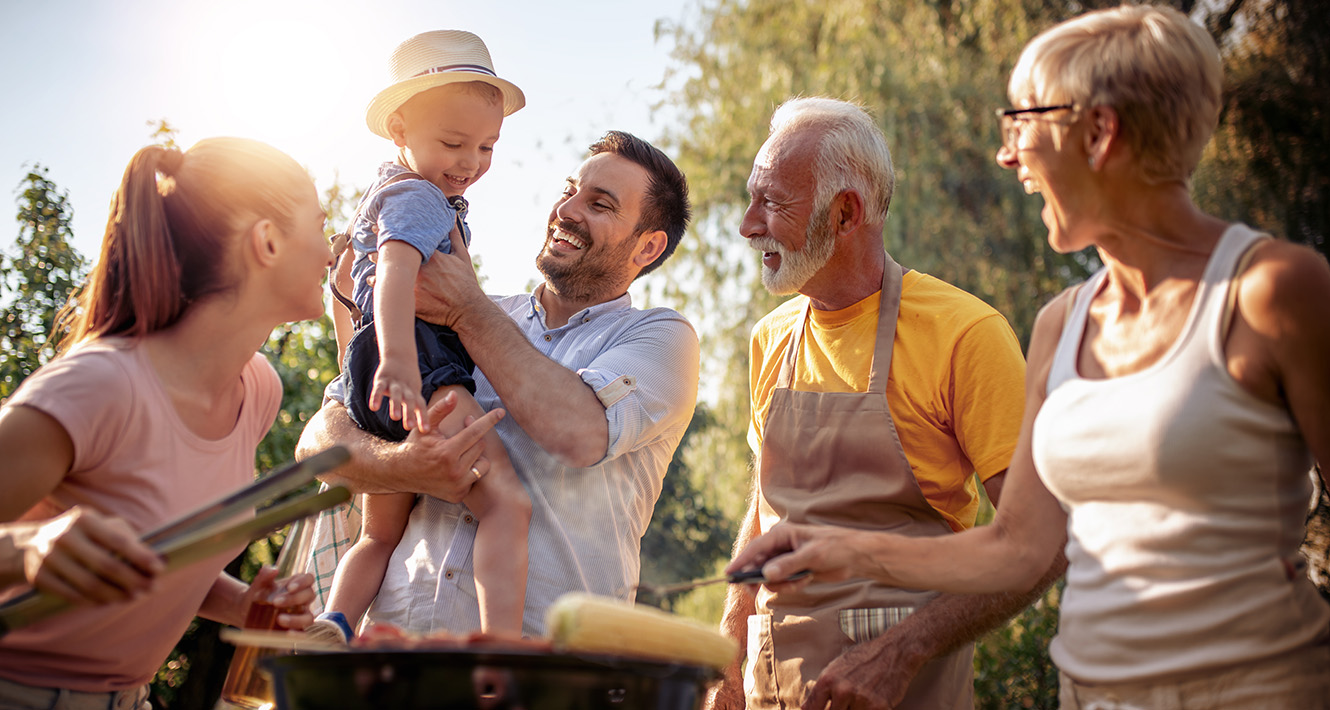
column 475, row 472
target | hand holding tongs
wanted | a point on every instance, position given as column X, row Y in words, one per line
column 211, row 529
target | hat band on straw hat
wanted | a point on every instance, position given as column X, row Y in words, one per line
column 457, row 67
column 433, row 59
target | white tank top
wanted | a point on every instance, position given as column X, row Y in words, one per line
column 1186, row 499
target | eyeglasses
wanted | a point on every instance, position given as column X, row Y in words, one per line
column 1010, row 119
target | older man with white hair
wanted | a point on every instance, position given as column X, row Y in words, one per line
column 878, row 394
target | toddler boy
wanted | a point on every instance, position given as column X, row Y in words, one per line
column 443, row 112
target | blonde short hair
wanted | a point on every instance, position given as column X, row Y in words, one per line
column 851, row 154
column 1159, row 70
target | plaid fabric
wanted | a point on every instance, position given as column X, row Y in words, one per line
column 336, row 530
column 867, row 624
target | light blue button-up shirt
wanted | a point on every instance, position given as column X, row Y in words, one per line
column 587, row 523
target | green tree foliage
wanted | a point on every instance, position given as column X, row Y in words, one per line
column 1316, row 544
column 36, row 279
column 163, row 133
column 1011, row 666
column 1268, row 164
column 689, row 536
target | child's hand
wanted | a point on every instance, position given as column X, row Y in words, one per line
column 400, row 383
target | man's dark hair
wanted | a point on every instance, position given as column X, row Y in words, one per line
column 665, row 206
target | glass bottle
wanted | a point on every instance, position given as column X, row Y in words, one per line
column 247, row 684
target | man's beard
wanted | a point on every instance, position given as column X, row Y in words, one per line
column 797, row 267
column 591, row 273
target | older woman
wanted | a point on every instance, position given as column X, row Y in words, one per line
column 1176, row 401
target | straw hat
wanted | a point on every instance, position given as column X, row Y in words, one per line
column 433, row 59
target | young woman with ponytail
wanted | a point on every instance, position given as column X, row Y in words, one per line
column 154, row 407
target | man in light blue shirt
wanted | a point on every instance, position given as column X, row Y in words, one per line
column 597, row 394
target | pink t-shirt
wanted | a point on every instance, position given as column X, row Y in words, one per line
column 134, row 458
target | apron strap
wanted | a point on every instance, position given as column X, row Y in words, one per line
column 888, row 311
column 785, row 379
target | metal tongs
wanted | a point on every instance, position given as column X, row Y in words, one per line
column 752, row 576
column 213, row 528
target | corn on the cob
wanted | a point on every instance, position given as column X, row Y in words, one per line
column 591, row 624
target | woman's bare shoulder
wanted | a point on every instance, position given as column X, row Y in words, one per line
column 1283, row 281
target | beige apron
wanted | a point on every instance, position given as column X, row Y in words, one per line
column 834, row 458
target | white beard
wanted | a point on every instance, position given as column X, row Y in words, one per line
column 797, row 267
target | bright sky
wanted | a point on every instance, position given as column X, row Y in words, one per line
column 83, row 79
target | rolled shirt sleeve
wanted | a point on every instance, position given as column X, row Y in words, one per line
column 645, row 381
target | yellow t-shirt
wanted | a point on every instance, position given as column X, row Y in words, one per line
column 956, row 389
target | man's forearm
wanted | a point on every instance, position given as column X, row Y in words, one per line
column 550, row 402
column 365, row 472
column 740, row 603
column 376, row 465
column 879, row 672
column 952, row 620
column 445, row 467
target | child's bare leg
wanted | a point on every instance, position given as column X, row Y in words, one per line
column 360, row 573
column 503, row 511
